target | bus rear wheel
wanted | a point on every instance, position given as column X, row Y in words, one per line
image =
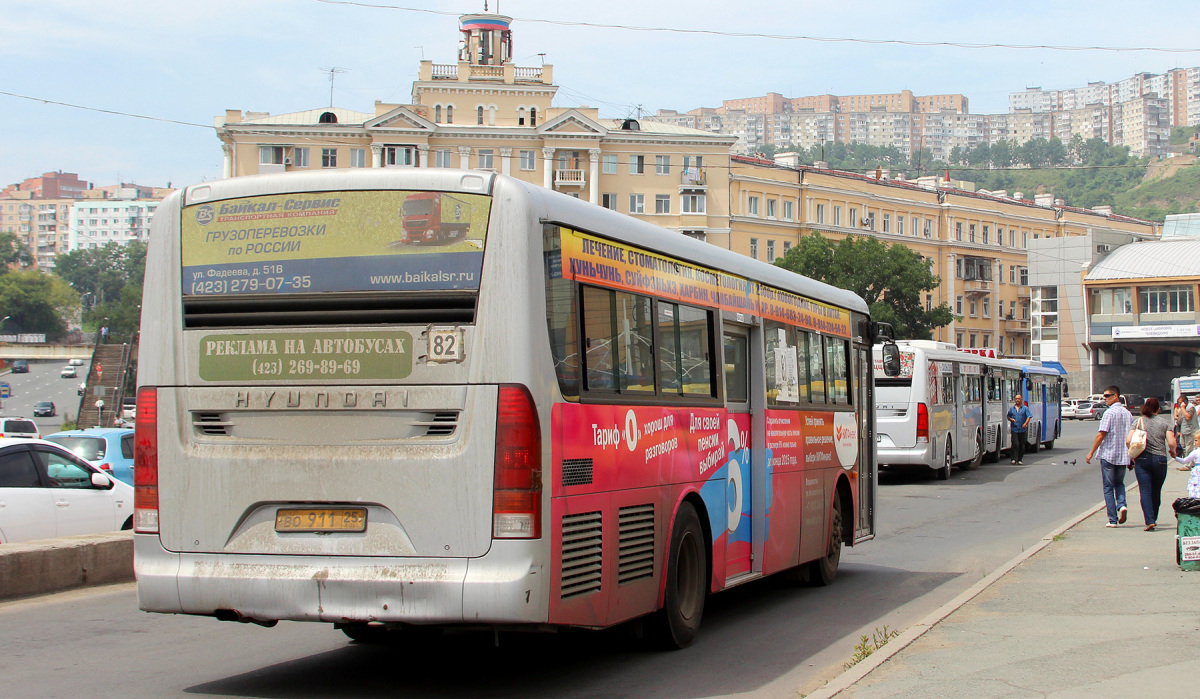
column 1036, row 444
column 675, row 626
column 823, row 570
column 943, row 473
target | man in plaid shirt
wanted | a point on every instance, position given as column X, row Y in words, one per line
column 1114, row 455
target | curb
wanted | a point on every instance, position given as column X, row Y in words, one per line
column 851, row 676
column 41, row 567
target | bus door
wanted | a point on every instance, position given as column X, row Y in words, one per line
column 864, row 402
column 964, row 440
column 745, row 487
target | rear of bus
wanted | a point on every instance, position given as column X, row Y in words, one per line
column 902, row 412
column 317, row 417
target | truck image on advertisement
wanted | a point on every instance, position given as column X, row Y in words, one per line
column 434, row 217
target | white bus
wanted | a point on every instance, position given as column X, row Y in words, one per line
column 563, row 417
column 946, row 408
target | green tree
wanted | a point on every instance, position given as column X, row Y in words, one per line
column 102, row 273
column 13, row 252
column 891, row 279
column 36, row 303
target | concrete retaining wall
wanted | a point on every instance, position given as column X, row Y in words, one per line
column 39, row 567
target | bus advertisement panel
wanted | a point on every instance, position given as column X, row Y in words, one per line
column 330, row 241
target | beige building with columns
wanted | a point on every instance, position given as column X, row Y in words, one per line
column 484, row 112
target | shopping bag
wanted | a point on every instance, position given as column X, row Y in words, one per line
column 1137, row 439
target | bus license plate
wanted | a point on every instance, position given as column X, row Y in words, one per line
column 321, row 519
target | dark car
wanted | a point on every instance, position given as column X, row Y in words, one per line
column 20, row 366
column 44, row 408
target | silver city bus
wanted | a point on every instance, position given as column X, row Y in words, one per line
column 558, row 416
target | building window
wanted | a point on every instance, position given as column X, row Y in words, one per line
column 479, row 115
column 486, row 160
column 442, row 157
column 609, row 201
column 928, row 228
column 1166, row 299
column 1110, row 301
column 529, row 160
column 787, row 245
column 1012, row 309
column 1024, row 239
column 637, row 164
column 637, row 203
column 887, row 223
column 770, row 251
column 437, row 113
column 958, row 339
column 662, row 203
column 987, row 309
column 899, row 225
column 533, row 116
column 788, row 211
column 693, row 203
column 520, row 116
column 985, row 236
column 1023, row 276
column 398, row 156
column 329, row 157
column 449, row 113
column 837, row 215
column 974, row 308
column 267, row 155
column 974, row 339
column 987, row 341
column 662, row 164
column 853, row 217
column 1024, row 310
column 771, row 207
column 754, row 248
column 820, row 213
column 752, row 206
column 358, row 157
column 300, row 157
column 958, row 305
column 958, row 230
column 971, row 233
column 609, row 164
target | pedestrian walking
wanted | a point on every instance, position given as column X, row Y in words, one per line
column 1189, row 420
column 1114, row 455
column 99, row 371
column 1018, row 421
column 1177, row 414
column 1150, row 466
column 1192, row 461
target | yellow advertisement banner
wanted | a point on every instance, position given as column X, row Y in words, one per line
column 593, row 260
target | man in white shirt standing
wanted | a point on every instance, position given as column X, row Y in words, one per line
column 1114, row 456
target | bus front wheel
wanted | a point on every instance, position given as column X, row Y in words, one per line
column 678, row 622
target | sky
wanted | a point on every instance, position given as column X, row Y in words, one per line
column 189, row 62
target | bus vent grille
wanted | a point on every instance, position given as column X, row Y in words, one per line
column 336, row 309
column 440, row 424
column 991, row 435
column 210, row 424
column 582, row 554
column 577, row 472
column 635, row 548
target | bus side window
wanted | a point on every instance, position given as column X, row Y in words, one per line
column 947, row 390
column 816, row 368
column 737, row 380
column 668, row 347
column 635, row 341
column 598, row 339
column 836, row 366
column 561, row 303
column 695, row 343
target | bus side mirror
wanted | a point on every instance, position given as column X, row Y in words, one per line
column 891, row 359
column 1028, row 384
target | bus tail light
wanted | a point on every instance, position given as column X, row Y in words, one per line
column 517, row 494
column 922, row 423
column 145, row 462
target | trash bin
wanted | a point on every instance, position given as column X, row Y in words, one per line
column 1187, row 550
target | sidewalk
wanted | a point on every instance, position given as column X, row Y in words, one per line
column 1098, row 612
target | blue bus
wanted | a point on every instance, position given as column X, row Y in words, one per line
column 1042, row 389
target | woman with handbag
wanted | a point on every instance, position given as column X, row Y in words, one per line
column 1156, row 439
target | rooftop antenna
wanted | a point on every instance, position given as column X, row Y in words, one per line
column 543, row 57
column 333, row 71
column 422, row 49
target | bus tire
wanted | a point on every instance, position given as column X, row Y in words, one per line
column 823, row 570
column 1050, row 444
column 675, row 625
column 994, row 456
column 943, row 473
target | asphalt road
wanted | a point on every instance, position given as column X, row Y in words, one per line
column 767, row 638
column 43, row 382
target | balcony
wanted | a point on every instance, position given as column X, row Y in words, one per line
column 693, row 179
column 569, row 178
column 977, row 287
column 1015, row 325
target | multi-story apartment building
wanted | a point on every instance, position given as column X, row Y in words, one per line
column 97, row 222
column 487, row 113
column 1142, row 124
column 51, row 185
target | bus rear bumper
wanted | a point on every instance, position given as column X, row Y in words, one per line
column 902, row 457
column 504, row 586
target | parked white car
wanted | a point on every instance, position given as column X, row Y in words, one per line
column 48, row 492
